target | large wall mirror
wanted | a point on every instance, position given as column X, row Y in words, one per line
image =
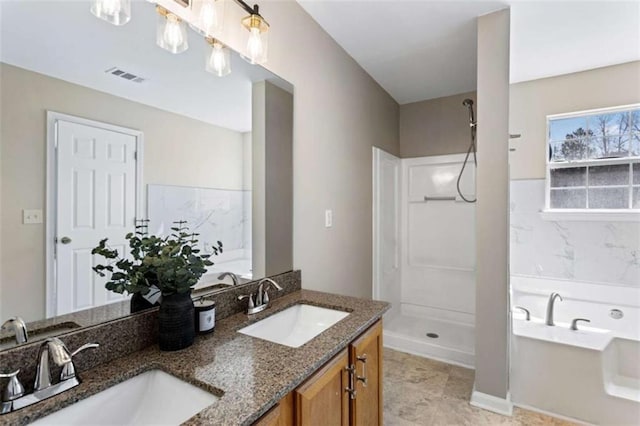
column 101, row 128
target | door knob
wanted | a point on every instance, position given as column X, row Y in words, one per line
column 65, row 240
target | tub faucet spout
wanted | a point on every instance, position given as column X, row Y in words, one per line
column 550, row 306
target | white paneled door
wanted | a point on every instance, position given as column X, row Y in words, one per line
column 95, row 197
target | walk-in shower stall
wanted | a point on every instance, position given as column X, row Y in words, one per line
column 424, row 251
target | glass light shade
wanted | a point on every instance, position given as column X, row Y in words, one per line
column 171, row 32
column 256, row 40
column 116, row 12
column 218, row 59
column 209, row 17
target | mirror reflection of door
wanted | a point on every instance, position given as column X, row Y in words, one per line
column 95, row 196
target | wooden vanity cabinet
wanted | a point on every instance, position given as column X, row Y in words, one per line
column 324, row 399
column 365, row 354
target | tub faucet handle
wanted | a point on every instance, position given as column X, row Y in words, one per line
column 527, row 314
column 574, row 323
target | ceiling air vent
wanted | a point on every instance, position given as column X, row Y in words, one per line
column 126, row 75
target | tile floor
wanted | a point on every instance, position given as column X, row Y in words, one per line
column 420, row 391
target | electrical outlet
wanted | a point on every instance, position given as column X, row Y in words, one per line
column 328, row 218
column 31, row 216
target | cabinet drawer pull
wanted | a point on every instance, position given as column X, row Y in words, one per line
column 351, row 388
column 363, row 378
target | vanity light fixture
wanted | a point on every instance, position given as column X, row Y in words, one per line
column 219, row 58
column 171, row 32
column 209, row 17
column 256, row 37
column 116, row 12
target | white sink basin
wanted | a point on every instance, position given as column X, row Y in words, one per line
column 151, row 398
column 294, row 326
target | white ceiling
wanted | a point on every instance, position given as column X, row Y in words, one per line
column 423, row 49
column 62, row 39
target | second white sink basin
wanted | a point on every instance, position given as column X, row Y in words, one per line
column 294, row 326
column 150, row 398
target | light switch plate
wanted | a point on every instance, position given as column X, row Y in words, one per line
column 328, row 218
column 31, row 216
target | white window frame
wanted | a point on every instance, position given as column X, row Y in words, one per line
column 553, row 214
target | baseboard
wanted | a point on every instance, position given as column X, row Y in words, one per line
column 492, row 403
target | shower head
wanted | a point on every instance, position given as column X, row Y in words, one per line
column 469, row 104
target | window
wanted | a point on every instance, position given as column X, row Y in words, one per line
column 594, row 160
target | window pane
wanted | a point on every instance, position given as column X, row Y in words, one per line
column 609, row 198
column 636, row 198
column 636, row 173
column 573, row 149
column 556, row 154
column 568, row 198
column 603, row 125
column 609, row 146
column 567, row 128
column 635, row 120
column 569, row 177
column 635, row 144
column 609, row 175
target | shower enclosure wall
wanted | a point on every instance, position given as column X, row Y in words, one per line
column 424, row 255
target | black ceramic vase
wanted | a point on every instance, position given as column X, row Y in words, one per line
column 176, row 322
column 139, row 303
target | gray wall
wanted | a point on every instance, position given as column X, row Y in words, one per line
column 272, row 119
column 435, row 126
column 340, row 112
column 492, row 220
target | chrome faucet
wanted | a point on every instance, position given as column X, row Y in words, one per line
column 19, row 328
column 261, row 300
column 60, row 355
column 13, row 397
column 262, row 297
column 233, row 276
column 550, row 306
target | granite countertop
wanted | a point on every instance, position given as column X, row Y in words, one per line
column 249, row 375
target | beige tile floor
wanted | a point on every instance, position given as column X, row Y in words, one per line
column 420, row 391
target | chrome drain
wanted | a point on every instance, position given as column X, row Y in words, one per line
column 432, row 335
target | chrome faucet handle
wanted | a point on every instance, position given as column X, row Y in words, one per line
column 527, row 314
column 250, row 305
column 60, row 356
column 14, row 388
column 19, row 327
column 262, row 298
column 574, row 323
column 69, row 369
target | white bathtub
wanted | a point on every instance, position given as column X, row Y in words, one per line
column 591, row 375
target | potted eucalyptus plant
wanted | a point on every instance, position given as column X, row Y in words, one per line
column 170, row 265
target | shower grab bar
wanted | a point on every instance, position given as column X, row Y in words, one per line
column 453, row 198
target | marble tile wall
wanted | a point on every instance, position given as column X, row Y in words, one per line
column 592, row 251
column 215, row 214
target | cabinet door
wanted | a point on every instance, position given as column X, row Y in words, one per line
column 280, row 415
column 366, row 356
column 322, row 400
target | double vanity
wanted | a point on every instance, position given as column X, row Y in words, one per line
column 310, row 357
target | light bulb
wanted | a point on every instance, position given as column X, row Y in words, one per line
column 209, row 16
column 254, row 45
column 116, row 12
column 217, row 61
column 110, row 7
column 172, row 32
